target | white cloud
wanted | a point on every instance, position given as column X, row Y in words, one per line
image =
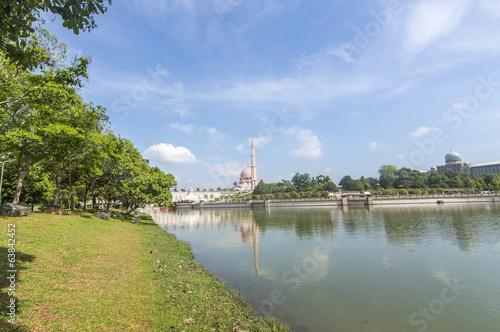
column 374, row 146
column 431, row 20
column 176, row 105
column 311, row 146
column 212, row 131
column 258, row 142
column 168, row 154
column 423, row 131
column 324, row 57
column 187, row 128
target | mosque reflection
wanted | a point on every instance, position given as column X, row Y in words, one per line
column 243, row 221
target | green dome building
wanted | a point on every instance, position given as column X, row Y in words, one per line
column 453, row 162
column 453, row 157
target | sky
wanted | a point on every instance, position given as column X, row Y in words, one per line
column 321, row 86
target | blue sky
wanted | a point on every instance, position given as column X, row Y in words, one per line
column 322, row 87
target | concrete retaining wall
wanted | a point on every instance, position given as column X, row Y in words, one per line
column 344, row 202
column 431, row 200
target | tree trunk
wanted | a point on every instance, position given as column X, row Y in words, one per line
column 72, row 194
column 21, row 174
column 58, row 187
column 85, row 197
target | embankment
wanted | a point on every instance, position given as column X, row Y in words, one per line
column 346, row 202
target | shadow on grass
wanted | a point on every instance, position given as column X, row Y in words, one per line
column 145, row 220
column 5, row 298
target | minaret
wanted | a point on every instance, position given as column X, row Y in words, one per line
column 253, row 169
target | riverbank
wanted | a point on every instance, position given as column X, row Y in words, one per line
column 81, row 273
column 347, row 202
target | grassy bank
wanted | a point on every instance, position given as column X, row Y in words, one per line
column 80, row 273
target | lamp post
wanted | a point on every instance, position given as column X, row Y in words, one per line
column 3, row 160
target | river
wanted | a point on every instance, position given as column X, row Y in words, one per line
column 415, row 268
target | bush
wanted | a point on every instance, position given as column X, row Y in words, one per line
column 403, row 192
column 389, row 192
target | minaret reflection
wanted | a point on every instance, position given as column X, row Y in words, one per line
column 250, row 235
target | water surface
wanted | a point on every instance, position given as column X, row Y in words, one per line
column 425, row 268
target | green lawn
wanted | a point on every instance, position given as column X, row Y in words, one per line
column 80, row 273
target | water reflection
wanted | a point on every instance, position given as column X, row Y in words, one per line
column 385, row 265
column 467, row 226
column 250, row 235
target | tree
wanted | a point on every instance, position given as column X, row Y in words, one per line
column 140, row 184
column 403, row 178
column 36, row 109
column 18, row 18
column 302, row 181
column 366, row 183
column 387, row 176
column 358, row 186
column 347, row 182
column 331, row 186
column 373, row 182
column 455, row 182
column 261, row 188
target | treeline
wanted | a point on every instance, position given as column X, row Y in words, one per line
column 301, row 186
column 391, row 181
column 57, row 149
column 404, row 178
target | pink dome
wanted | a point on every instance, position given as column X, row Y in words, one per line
column 246, row 173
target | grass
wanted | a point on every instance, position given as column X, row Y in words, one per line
column 80, row 273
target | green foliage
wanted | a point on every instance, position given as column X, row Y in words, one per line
column 302, row 182
column 387, row 176
column 358, row 186
column 18, row 19
column 347, row 182
column 59, row 143
column 331, row 186
column 301, row 185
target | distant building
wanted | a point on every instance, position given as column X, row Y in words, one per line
column 248, row 177
column 486, row 168
column 453, row 162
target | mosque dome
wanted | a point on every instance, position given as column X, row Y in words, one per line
column 246, row 173
column 452, row 156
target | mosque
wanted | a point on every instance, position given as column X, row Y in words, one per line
column 248, row 177
column 453, row 162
